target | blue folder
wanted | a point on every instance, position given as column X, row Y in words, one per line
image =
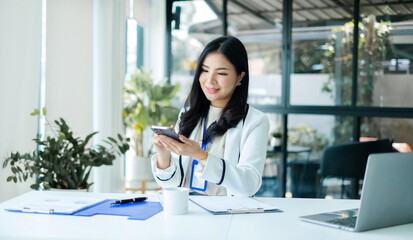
column 135, row 211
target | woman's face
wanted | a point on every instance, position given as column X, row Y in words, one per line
column 218, row 79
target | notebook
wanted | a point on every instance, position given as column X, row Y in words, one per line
column 231, row 205
column 386, row 198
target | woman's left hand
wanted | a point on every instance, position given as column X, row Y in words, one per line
column 188, row 147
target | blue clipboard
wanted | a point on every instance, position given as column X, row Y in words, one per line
column 134, row 211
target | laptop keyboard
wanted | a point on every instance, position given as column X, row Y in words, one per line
column 348, row 222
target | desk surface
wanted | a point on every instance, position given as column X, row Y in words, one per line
column 197, row 222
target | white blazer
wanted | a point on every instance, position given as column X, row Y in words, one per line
column 241, row 177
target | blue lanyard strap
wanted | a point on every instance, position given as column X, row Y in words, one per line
column 203, row 146
column 195, row 183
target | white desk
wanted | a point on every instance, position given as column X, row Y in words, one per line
column 198, row 224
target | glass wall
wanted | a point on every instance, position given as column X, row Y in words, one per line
column 262, row 37
column 271, row 173
column 188, row 41
column 318, row 131
column 199, row 24
column 385, row 77
column 310, row 81
column 321, row 53
column 265, row 72
column 398, row 129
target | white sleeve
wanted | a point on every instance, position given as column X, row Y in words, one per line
column 210, row 170
column 165, row 174
column 169, row 177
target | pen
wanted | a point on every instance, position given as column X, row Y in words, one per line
column 130, row 200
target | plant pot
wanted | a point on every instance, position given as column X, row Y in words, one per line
column 275, row 142
column 137, row 169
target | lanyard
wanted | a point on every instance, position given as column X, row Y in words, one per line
column 203, row 146
column 196, row 183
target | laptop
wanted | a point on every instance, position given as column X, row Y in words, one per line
column 386, row 198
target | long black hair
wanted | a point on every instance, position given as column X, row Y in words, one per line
column 197, row 104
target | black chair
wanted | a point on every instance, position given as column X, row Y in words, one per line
column 348, row 161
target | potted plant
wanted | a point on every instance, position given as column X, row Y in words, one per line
column 146, row 104
column 276, row 140
column 62, row 160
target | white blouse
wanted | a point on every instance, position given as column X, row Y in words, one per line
column 216, row 147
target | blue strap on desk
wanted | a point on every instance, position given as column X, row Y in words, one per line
column 135, row 211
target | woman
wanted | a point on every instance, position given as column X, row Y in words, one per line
column 224, row 140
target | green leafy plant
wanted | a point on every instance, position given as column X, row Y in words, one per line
column 374, row 46
column 63, row 161
column 146, row 104
column 306, row 136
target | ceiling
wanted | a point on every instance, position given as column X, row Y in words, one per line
column 263, row 16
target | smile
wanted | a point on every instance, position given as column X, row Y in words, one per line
column 212, row 90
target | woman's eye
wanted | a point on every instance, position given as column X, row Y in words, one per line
column 222, row 74
column 204, row 70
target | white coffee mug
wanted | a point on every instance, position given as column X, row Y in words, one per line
column 174, row 200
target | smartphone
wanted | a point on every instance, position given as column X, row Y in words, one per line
column 167, row 131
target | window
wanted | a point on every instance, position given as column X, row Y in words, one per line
column 134, row 46
column 385, row 77
column 321, row 53
column 398, row 129
column 313, row 83
column 188, row 41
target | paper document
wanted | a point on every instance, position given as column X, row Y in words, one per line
column 56, row 205
column 230, row 205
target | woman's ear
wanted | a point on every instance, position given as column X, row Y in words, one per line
column 241, row 76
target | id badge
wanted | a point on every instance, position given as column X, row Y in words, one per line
column 197, row 183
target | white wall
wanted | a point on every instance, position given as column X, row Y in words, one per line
column 20, row 44
column 69, row 69
column 140, row 11
column 109, row 23
column 84, row 70
column 154, row 39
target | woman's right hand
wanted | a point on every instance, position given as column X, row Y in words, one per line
column 163, row 154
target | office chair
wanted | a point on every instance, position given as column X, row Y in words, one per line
column 348, row 161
